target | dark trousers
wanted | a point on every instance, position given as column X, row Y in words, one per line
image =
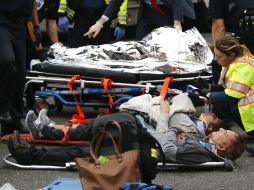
column 151, row 19
column 12, row 66
column 57, row 156
column 82, row 24
column 226, row 107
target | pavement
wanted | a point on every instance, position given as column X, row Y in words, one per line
column 185, row 179
column 182, row 179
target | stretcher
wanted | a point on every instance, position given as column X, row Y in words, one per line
column 165, row 52
column 226, row 165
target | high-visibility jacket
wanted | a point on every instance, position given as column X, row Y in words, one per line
column 69, row 8
column 238, row 80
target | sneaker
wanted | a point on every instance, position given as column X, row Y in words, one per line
column 19, row 148
column 44, row 120
column 33, row 124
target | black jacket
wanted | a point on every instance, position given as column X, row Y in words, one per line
column 17, row 8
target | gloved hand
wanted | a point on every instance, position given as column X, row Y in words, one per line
column 94, row 30
column 63, row 23
column 119, row 33
column 37, row 34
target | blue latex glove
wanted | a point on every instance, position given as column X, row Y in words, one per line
column 63, row 23
column 119, row 33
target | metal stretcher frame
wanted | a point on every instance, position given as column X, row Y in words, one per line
column 167, row 166
column 128, row 90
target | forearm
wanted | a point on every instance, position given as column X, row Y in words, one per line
column 168, row 142
column 34, row 18
column 218, row 29
column 52, row 31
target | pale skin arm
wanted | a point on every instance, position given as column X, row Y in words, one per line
column 52, row 31
column 95, row 29
column 177, row 24
column 218, row 30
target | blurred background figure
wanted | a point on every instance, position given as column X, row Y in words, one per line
column 79, row 17
column 13, row 21
column 158, row 13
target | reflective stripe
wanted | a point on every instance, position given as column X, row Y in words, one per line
column 246, row 101
column 244, row 60
column 242, row 88
column 154, row 153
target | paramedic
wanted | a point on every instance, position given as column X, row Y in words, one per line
column 224, row 15
column 48, row 9
column 232, row 98
column 158, row 13
column 13, row 19
column 88, row 17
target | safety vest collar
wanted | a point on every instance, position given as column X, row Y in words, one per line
column 244, row 60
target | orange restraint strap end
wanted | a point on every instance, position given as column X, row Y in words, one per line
column 164, row 89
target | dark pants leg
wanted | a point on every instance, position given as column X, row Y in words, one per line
column 55, row 156
column 12, row 68
column 226, row 107
column 151, row 19
column 81, row 133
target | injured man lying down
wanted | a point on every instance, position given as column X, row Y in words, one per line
column 184, row 138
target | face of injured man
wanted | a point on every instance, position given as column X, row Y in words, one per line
column 223, row 138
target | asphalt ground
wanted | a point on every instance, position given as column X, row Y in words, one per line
column 182, row 179
column 187, row 179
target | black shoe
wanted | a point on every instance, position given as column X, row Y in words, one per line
column 19, row 148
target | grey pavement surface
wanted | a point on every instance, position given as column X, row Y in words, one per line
column 212, row 179
column 186, row 179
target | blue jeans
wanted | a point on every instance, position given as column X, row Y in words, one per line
column 226, row 107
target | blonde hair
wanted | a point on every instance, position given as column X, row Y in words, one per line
column 229, row 44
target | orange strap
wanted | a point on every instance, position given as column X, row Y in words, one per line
column 164, row 89
column 65, row 138
column 108, row 83
column 76, row 118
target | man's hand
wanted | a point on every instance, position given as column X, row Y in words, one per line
column 63, row 23
column 119, row 33
column 37, row 34
column 164, row 106
column 94, row 30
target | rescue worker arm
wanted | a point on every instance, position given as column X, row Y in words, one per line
column 121, row 21
column 52, row 14
column 34, row 29
column 218, row 29
column 109, row 13
column 52, row 31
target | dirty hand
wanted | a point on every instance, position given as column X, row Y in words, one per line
column 119, row 33
column 94, row 30
column 164, row 106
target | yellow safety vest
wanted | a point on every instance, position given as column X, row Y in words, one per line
column 122, row 14
column 238, row 80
